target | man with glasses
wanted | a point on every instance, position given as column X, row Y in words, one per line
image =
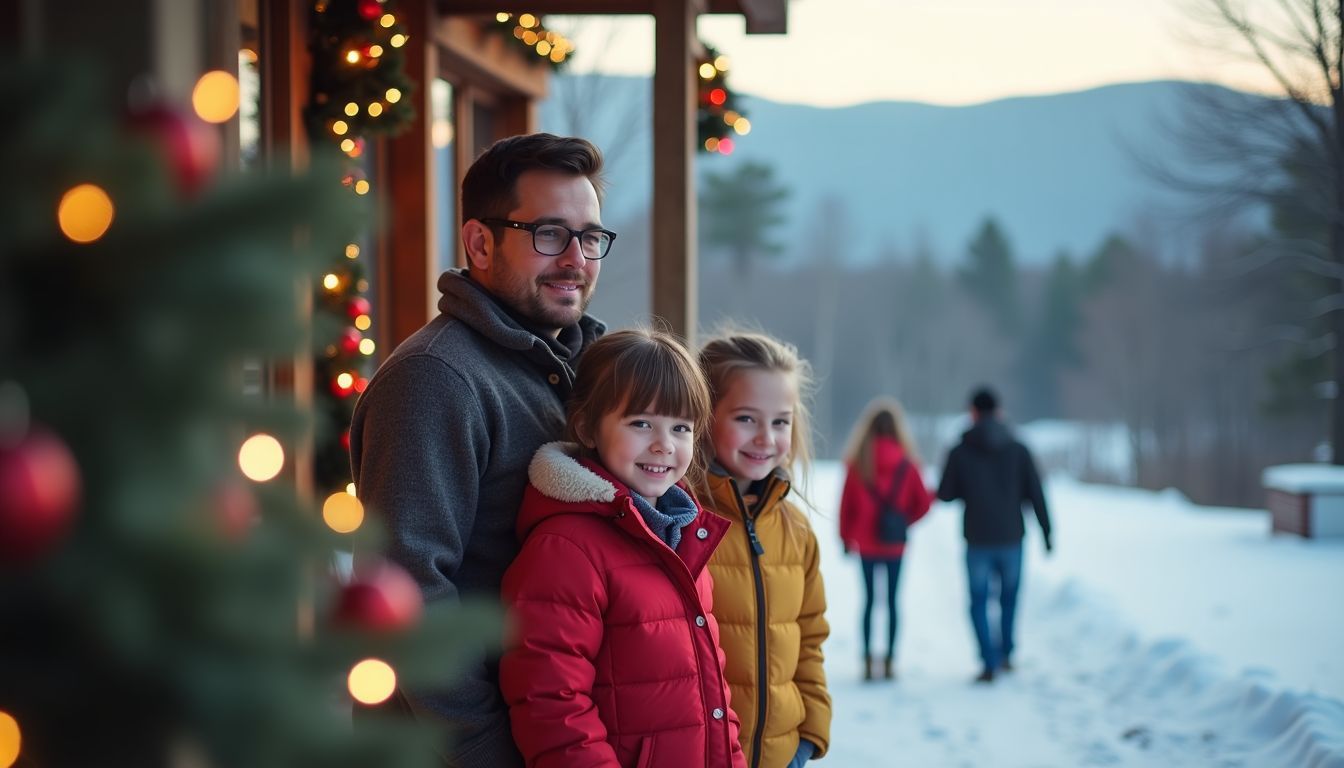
column 442, row 436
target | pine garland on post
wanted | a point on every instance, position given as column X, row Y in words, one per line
column 359, row 91
column 718, row 119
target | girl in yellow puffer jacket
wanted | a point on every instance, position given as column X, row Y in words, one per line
column 768, row 593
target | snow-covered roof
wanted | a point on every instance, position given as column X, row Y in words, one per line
column 1304, row 478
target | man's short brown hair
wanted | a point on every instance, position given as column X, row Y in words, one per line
column 489, row 189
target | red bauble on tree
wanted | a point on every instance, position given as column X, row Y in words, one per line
column 235, row 509
column 190, row 146
column 350, row 341
column 381, row 597
column 39, row 491
column 370, row 9
column 358, row 306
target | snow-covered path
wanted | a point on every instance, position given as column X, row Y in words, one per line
column 1091, row 688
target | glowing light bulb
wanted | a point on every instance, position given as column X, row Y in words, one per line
column 342, row 512
column 375, row 109
column 721, row 63
column 215, row 96
column 367, row 346
column 363, row 322
column 85, row 213
column 543, row 48
column 503, row 17
column 371, row 681
column 527, row 21
column 351, row 109
column 707, row 71
column 742, row 125
column 375, row 51
column 350, row 488
column 352, row 251
column 398, row 40
column 393, row 95
column 352, row 56
column 261, row 457
column 347, row 145
column 339, row 127
column 362, row 187
column 11, row 740
column 387, row 20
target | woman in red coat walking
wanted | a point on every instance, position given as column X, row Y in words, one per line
column 884, row 494
column 616, row 661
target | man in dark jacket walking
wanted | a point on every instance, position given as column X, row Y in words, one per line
column 994, row 475
column 442, row 436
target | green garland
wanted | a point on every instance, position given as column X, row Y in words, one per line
column 718, row 120
column 531, row 36
column 359, row 90
column 359, row 84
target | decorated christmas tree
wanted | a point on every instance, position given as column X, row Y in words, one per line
column 165, row 594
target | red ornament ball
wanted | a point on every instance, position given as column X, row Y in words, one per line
column 382, row 597
column 350, row 342
column 188, row 144
column 235, row 510
column 358, row 306
column 370, row 9
column 39, row 492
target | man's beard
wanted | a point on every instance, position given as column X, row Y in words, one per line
column 526, row 298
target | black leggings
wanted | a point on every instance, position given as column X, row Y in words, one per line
column 893, row 567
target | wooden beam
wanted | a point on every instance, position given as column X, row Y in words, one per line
column 407, row 285
column 674, row 220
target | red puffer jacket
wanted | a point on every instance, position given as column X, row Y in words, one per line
column 858, row 507
column 616, row 658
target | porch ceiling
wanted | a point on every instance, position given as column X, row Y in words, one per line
column 764, row 17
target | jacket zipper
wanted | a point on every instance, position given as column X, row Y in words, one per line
column 762, row 685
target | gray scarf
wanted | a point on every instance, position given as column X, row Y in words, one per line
column 674, row 511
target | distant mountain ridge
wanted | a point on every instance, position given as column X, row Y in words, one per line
column 1059, row 172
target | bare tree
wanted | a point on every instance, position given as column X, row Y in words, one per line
column 1294, row 144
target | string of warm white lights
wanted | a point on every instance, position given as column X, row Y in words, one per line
column 717, row 119
column 527, row 29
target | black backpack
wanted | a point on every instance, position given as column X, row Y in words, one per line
column 891, row 521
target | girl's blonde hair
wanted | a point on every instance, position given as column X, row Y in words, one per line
column 638, row 371
column 883, row 417
column 726, row 355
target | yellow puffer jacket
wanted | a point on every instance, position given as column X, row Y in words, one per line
column 781, row 579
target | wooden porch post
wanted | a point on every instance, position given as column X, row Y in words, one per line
column 674, row 219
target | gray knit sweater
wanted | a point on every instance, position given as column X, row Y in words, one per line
column 439, row 445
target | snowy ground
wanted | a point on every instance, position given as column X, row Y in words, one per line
column 1158, row 634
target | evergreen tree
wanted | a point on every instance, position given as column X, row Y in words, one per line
column 1051, row 347
column 740, row 213
column 990, row 276
column 160, row 608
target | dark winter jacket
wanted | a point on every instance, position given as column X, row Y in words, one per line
column 859, row 507
column 615, row 659
column 995, row 475
column 439, row 445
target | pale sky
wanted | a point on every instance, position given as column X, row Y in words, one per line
column 841, row 52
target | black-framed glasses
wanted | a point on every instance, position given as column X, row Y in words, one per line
column 553, row 239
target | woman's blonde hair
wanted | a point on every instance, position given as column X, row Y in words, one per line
column 883, row 417
column 638, row 371
column 726, row 355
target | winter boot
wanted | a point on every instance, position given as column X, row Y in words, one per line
column 868, row 667
column 887, row 673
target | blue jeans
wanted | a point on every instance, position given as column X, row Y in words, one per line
column 1003, row 564
column 893, row 569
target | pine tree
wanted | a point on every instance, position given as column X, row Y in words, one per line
column 160, row 609
column 740, row 210
column 990, row 276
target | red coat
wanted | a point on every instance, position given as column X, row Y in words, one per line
column 616, row 658
column 858, row 508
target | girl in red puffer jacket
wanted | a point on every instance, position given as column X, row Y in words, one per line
column 884, row 494
column 615, row 659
